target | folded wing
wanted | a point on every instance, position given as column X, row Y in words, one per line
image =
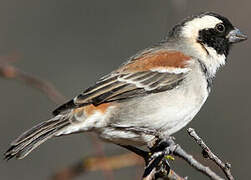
column 151, row 72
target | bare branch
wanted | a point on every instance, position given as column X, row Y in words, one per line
column 10, row 72
column 194, row 163
column 207, row 153
column 158, row 166
column 98, row 163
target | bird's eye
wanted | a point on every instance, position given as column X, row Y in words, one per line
column 220, row 28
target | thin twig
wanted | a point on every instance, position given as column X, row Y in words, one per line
column 207, row 153
column 194, row 163
column 176, row 150
column 10, row 72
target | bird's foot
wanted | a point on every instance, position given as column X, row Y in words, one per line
column 160, row 143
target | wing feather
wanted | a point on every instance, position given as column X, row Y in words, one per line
column 125, row 83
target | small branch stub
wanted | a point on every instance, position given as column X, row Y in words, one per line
column 207, row 153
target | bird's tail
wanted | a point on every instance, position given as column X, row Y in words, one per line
column 35, row 136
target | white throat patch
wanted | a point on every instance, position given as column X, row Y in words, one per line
column 213, row 60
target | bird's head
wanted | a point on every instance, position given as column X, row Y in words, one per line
column 209, row 37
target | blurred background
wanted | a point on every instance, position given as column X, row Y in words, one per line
column 73, row 43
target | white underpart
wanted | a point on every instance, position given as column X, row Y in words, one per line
column 171, row 70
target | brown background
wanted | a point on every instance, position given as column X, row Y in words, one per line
column 73, row 43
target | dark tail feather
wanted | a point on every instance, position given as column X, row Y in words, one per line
column 32, row 138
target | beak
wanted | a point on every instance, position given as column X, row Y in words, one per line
column 236, row 36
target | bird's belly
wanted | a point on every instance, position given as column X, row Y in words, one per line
column 136, row 120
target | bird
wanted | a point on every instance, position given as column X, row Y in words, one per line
column 158, row 90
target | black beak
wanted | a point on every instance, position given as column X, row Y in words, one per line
column 236, row 36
